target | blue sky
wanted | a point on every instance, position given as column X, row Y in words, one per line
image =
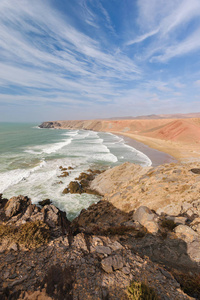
column 85, row 59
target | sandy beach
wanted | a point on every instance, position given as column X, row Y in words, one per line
column 163, row 151
column 157, row 157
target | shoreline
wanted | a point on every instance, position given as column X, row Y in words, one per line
column 157, row 157
column 177, row 151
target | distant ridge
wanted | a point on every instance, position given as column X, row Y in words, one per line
column 161, row 116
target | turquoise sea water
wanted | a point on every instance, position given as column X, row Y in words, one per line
column 30, row 158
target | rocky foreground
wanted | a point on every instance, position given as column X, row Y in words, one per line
column 141, row 241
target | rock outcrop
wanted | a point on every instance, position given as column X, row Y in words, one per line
column 97, row 256
column 50, row 125
column 171, row 188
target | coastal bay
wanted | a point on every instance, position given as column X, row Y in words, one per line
column 179, row 138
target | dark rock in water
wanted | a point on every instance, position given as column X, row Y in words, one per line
column 83, row 186
column 74, row 187
column 66, row 191
column 195, row 171
column 84, row 183
column 85, row 176
column 50, row 125
column 63, row 169
column 70, row 168
column 45, row 202
column 16, row 205
column 64, row 174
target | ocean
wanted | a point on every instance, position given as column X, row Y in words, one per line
column 30, row 158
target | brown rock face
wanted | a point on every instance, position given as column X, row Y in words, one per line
column 16, row 205
column 171, row 188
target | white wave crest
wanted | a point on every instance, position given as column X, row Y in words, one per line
column 49, row 148
column 13, row 177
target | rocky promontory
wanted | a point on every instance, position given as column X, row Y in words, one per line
column 142, row 238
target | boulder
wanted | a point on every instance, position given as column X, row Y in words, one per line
column 51, row 215
column 146, row 218
column 177, row 220
column 16, row 205
column 186, row 233
column 112, row 263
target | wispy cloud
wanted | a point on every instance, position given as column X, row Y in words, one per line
column 78, row 55
column 47, row 52
column 141, row 38
column 164, row 23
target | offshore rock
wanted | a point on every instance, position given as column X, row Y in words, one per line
column 50, row 125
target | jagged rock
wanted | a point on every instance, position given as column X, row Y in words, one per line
column 126, row 270
column 186, row 233
column 45, row 202
column 111, row 263
column 192, row 239
column 79, row 242
column 106, row 264
column 74, row 187
column 64, row 174
column 146, row 218
column 195, row 225
column 177, row 220
column 16, row 205
column 51, row 215
column 82, row 184
column 103, row 249
column 117, row 262
column 65, row 191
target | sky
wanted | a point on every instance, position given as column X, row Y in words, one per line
column 87, row 59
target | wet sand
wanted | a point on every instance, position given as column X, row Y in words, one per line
column 157, row 157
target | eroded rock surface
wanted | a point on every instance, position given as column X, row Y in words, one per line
column 171, row 188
